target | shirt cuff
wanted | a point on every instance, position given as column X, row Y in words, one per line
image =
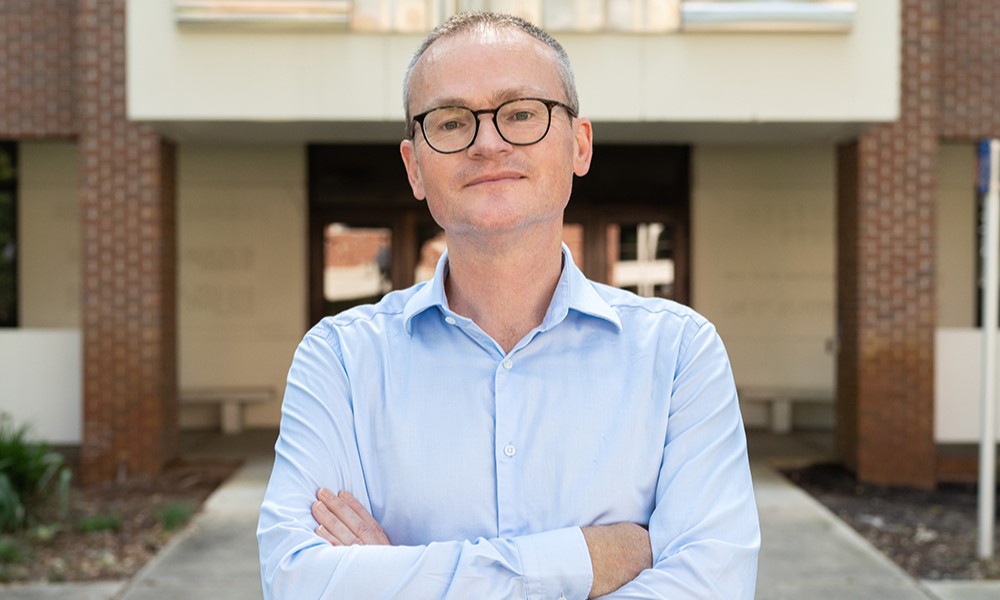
column 556, row 564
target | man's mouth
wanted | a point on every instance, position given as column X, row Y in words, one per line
column 499, row 177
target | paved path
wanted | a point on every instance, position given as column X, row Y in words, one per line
column 808, row 554
column 216, row 557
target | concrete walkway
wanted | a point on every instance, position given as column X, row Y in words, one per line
column 808, row 554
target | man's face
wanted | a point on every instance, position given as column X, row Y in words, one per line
column 493, row 186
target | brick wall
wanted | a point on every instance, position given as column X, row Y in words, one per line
column 886, row 256
column 970, row 73
column 354, row 247
column 128, row 255
column 37, row 69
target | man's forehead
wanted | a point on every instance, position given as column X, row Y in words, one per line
column 448, row 61
column 483, row 39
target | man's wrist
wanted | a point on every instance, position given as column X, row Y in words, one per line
column 618, row 554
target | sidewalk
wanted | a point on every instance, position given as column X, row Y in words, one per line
column 808, row 554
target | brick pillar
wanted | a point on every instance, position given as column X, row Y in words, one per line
column 128, row 259
column 37, row 72
column 886, row 275
column 970, row 69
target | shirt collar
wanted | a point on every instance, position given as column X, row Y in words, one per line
column 573, row 291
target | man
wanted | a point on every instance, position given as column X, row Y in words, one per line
column 509, row 429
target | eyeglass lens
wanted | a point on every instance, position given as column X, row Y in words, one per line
column 520, row 122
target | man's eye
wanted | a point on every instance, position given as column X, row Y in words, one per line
column 450, row 126
column 521, row 117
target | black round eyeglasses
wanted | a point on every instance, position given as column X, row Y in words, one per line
column 520, row 122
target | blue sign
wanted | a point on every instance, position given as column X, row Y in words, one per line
column 983, row 185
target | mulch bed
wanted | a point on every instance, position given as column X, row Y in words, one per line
column 139, row 517
column 930, row 534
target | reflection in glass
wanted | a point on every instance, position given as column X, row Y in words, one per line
column 357, row 261
column 644, row 263
column 8, row 235
column 431, row 249
column 8, row 260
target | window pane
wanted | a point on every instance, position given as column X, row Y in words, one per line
column 645, row 261
column 8, row 260
column 432, row 245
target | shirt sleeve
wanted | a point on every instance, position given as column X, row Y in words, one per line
column 317, row 446
column 704, row 530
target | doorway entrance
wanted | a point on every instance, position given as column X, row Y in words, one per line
column 626, row 224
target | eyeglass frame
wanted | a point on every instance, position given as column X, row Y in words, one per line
column 549, row 104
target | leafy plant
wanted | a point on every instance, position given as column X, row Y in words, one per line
column 29, row 474
column 10, row 551
column 175, row 515
column 11, row 507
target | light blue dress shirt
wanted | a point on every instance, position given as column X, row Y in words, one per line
column 482, row 465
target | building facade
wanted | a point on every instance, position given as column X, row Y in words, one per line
column 185, row 187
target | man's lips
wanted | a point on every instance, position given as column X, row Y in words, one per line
column 495, row 177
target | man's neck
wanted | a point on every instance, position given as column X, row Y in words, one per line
column 504, row 288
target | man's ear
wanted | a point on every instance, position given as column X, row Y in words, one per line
column 409, row 154
column 583, row 132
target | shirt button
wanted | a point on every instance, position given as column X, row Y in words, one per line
column 507, row 364
column 509, row 450
column 449, row 320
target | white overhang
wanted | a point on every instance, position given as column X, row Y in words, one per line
column 309, row 84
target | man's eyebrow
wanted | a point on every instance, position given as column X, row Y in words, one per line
column 438, row 102
column 497, row 98
column 512, row 94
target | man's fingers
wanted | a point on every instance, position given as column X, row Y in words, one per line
column 332, row 528
column 368, row 530
column 326, row 535
column 346, row 520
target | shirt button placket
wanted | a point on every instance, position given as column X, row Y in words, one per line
column 507, row 420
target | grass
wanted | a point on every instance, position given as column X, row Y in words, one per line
column 175, row 515
column 95, row 523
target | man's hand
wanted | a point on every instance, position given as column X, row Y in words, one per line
column 618, row 554
column 344, row 522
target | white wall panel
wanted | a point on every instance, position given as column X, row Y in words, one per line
column 41, row 382
column 957, row 383
column 49, row 235
column 763, row 261
column 242, row 275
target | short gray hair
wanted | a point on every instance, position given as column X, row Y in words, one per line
column 471, row 21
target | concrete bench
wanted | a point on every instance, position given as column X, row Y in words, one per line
column 231, row 399
column 780, row 399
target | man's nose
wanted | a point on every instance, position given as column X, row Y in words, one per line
column 488, row 139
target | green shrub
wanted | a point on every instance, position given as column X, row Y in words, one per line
column 11, row 506
column 29, row 474
column 175, row 515
column 94, row 523
column 10, row 551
